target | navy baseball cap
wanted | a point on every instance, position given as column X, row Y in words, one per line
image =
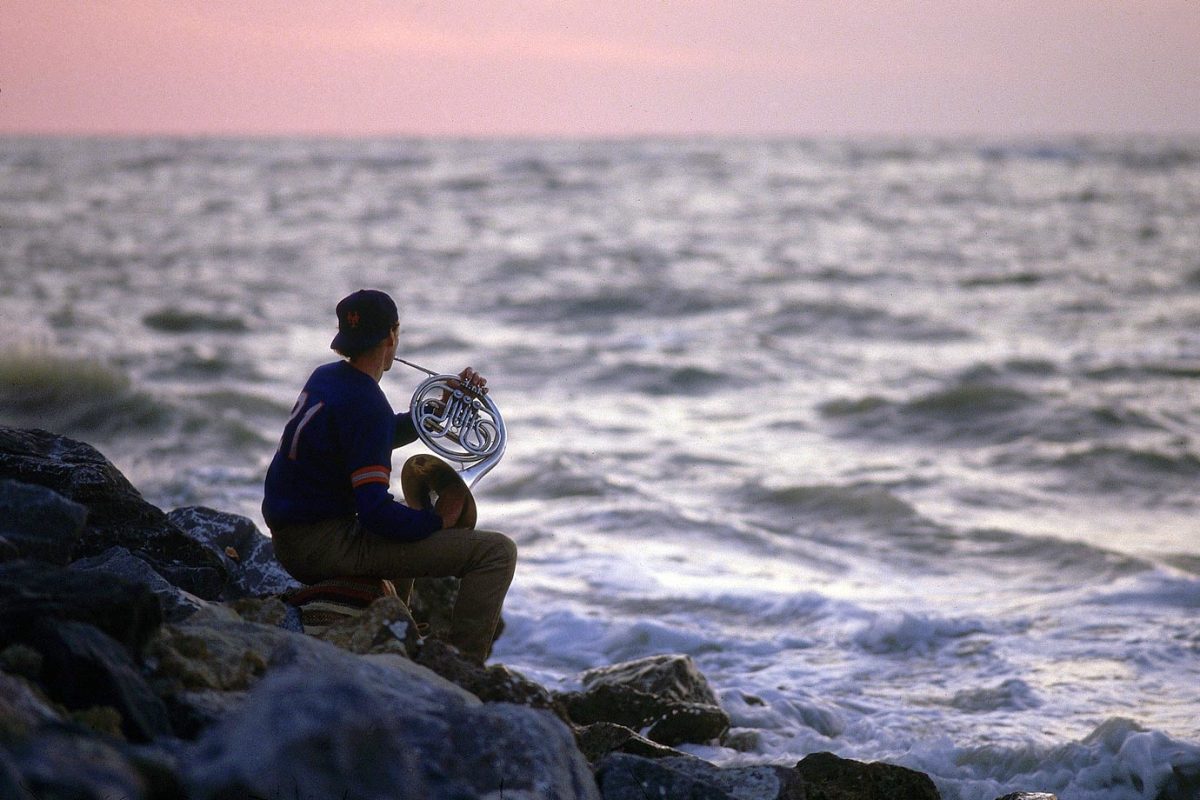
column 364, row 319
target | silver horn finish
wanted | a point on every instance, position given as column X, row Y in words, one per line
column 458, row 422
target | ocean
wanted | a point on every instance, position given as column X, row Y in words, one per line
column 898, row 439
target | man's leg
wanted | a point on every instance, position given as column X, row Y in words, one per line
column 484, row 561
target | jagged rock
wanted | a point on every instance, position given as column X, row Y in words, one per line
column 83, row 667
column 385, row 626
column 668, row 677
column 39, row 522
column 330, row 724
column 665, row 693
column 22, row 708
column 207, row 652
column 66, row 761
column 8, row 550
column 117, row 513
column 268, row 611
column 176, row 603
column 194, row 711
column 599, row 739
column 628, row 777
column 492, row 684
column 824, row 776
column 248, row 554
column 31, row 591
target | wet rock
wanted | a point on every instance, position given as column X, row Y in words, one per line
column 31, row 591
column 330, row 724
column 627, row 777
column 824, row 776
column 117, row 513
column 599, row 739
column 248, row 554
column 39, row 522
column 667, row 677
column 83, row 668
column 176, row 603
column 666, row 694
column 268, row 611
column 491, row 684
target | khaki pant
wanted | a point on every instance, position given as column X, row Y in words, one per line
column 483, row 560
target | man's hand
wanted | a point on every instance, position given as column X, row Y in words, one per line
column 473, row 381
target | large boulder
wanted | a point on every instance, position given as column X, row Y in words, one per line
column 825, row 776
column 82, row 668
column 666, row 694
column 628, row 777
column 247, row 553
column 32, row 591
column 176, row 603
column 329, row 724
column 38, row 522
column 117, row 514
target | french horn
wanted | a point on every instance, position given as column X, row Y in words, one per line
column 458, row 422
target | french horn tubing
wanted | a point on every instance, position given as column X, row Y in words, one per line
column 459, row 422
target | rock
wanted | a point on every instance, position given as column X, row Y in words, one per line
column 491, row 684
column 83, row 668
column 599, row 739
column 248, row 554
column 268, row 611
column 194, row 711
column 39, row 522
column 667, row 677
column 8, row 550
column 176, row 603
column 67, row 762
column 666, row 693
column 824, row 776
column 1029, row 796
column 117, row 513
column 325, row 723
column 385, row 626
column 627, row 777
column 22, row 708
column 206, row 652
column 31, row 591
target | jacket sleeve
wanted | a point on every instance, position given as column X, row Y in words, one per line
column 406, row 431
column 369, row 460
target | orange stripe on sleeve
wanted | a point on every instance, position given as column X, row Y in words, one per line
column 373, row 474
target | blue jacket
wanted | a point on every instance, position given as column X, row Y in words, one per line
column 335, row 458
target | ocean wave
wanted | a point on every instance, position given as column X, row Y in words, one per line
column 1150, row 473
column 908, row 633
column 854, row 321
column 174, row 320
column 1013, row 694
column 1119, row 760
column 552, row 477
column 658, row 380
column 75, row 396
column 864, row 502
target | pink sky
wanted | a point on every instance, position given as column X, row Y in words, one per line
column 599, row 67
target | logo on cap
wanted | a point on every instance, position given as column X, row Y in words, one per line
column 352, row 318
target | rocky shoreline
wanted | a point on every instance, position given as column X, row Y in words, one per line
column 147, row 655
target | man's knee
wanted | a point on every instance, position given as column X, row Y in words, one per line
column 502, row 548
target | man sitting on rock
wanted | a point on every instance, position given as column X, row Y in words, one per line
column 327, row 499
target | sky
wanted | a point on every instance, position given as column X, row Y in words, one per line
column 599, row 68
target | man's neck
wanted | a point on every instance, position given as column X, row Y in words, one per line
column 370, row 363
